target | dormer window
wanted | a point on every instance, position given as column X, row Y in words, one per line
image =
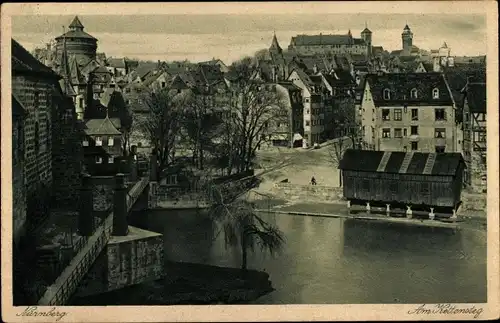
column 435, row 93
column 414, row 94
column 387, row 94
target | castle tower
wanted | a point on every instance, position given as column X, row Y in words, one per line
column 366, row 35
column 78, row 43
column 407, row 38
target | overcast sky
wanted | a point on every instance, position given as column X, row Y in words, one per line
column 230, row 36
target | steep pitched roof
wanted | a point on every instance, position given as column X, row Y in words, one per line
column 401, row 84
column 76, row 75
column 76, row 31
column 457, row 76
column 18, row 109
column 76, row 23
column 23, row 62
column 445, row 164
column 117, row 62
column 106, row 97
column 476, row 97
column 101, row 127
column 150, row 78
column 67, row 87
column 178, row 83
column 275, row 45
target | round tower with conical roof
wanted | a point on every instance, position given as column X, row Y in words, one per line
column 77, row 43
column 407, row 38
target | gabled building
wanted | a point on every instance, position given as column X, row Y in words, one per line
column 218, row 63
column 312, row 88
column 117, row 66
column 408, row 112
column 103, row 146
column 288, row 131
column 474, row 135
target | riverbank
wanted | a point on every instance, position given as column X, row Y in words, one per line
column 466, row 218
column 193, row 284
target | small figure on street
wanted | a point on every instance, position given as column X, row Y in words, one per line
column 313, row 181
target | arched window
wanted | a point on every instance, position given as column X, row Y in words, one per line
column 387, row 94
column 435, row 93
column 414, row 94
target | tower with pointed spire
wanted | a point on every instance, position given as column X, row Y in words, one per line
column 275, row 46
column 407, row 39
column 77, row 42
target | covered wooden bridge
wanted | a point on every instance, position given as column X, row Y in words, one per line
column 411, row 180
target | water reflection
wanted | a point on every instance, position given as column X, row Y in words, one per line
column 338, row 261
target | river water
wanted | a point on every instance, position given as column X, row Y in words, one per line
column 335, row 261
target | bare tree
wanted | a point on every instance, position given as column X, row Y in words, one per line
column 201, row 122
column 253, row 106
column 162, row 123
column 347, row 130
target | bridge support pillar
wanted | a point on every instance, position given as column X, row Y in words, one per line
column 120, row 212
column 86, row 207
column 432, row 215
column 348, row 206
column 454, row 215
column 388, row 209
column 368, row 208
column 409, row 212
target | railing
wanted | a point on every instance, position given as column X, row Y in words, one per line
column 70, row 278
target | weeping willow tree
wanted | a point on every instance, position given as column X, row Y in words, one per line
column 242, row 227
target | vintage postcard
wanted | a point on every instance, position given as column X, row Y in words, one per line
column 270, row 161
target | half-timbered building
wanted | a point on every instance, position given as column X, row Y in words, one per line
column 474, row 130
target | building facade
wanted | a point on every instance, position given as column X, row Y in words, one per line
column 408, row 112
column 103, row 146
column 474, row 132
column 33, row 84
column 18, row 187
column 314, row 106
column 289, row 130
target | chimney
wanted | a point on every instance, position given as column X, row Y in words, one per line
column 86, row 207
column 120, row 212
column 153, row 172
